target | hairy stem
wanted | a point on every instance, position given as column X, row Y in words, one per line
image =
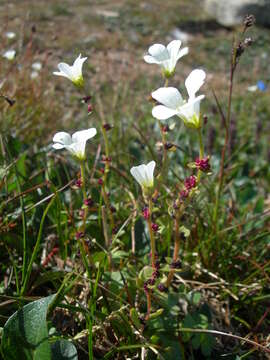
column 201, row 152
column 176, row 246
column 152, row 238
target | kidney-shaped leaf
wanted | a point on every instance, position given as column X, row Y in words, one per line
column 64, row 350
column 25, row 334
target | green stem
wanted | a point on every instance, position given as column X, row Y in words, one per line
column 152, row 238
column 176, row 246
column 106, row 143
column 82, row 165
column 81, row 242
column 106, row 171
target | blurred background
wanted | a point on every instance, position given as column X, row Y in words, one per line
column 115, row 35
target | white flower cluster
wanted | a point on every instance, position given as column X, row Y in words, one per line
column 170, row 101
column 11, row 53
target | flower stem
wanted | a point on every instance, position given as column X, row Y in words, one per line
column 164, row 165
column 106, row 171
column 152, row 238
column 176, row 246
column 106, row 143
column 148, row 297
column 82, row 244
column 201, row 152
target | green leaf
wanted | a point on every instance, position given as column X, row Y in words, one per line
column 196, row 297
column 135, row 318
column 25, row 334
column 64, row 350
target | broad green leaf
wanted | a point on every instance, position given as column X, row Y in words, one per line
column 25, row 334
column 64, row 350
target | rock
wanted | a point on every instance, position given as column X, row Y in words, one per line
column 231, row 12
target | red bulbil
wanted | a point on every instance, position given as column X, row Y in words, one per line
column 155, row 227
column 78, row 183
column 89, row 108
column 100, row 181
column 107, row 127
column 203, row 164
column 184, row 194
column 86, row 99
column 146, row 213
column 190, row 182
column 79, row 235
column 88, row 202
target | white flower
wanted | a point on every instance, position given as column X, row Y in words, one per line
column 75, row 143
column 74, row 72
column 34, row 75
column 166, row 57
column 37, row 66
column 144, row 174
column 173, row 103
column 9, row 54
column 10, row 35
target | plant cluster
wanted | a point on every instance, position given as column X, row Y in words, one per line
column 126, row 271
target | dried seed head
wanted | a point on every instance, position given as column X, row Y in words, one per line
column 249, row 20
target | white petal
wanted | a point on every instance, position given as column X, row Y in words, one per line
column 182, row 53
column 62, row 138
column 10, row 35
column 37, row 66
column 173, row 49
column 150, row 60
column 194, row 81
column 136, row 173
column 66, row 70
column 191, row 108
column 77, row 149
column 168, row 96
column 159, row 52
column 9, row 54
column 84, row 135
column 162, row 112
column 252, row 88
column 58, row 146
column 60, row 73
column 150, row 167
column 77, row 66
